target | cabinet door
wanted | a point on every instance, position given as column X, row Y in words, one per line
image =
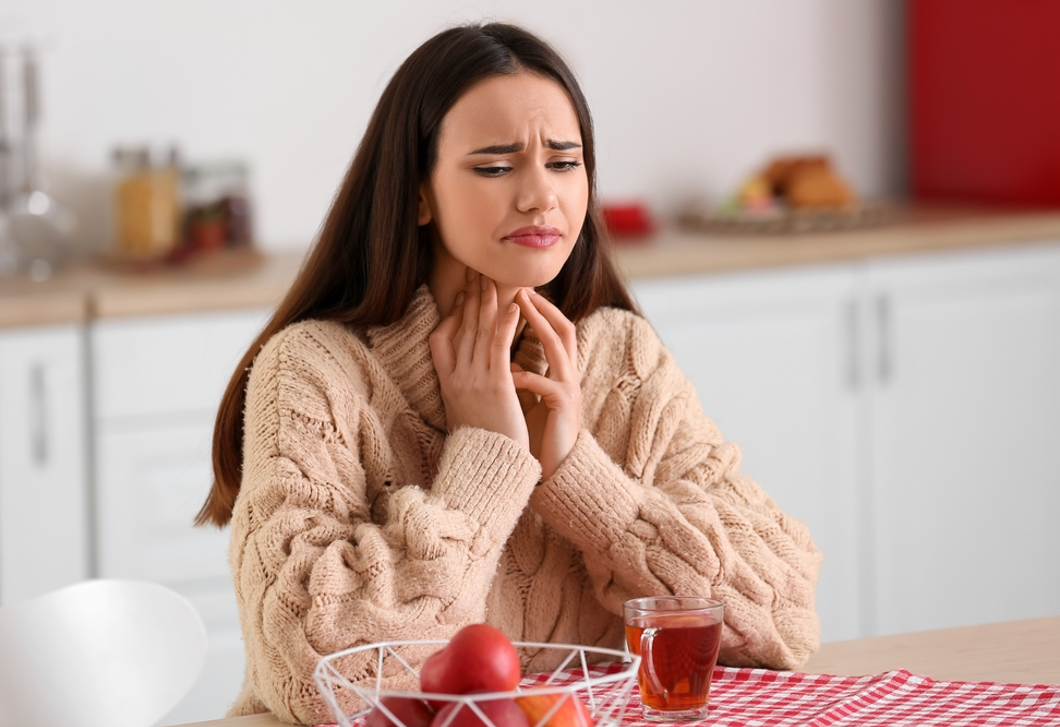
column 43, row 487
column 156, row 480
column 773, row 357
column 146, row 370
column 153, row 482
column 965, row 421
column 158, row 384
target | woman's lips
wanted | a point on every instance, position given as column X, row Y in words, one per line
column 534, row 236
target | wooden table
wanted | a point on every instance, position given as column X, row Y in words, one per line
column 1017, row 651
column 1024, row 652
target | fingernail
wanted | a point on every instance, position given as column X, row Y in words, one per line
column 483, row 282
column 470, row 275
column 513, row 307
column 459, row 298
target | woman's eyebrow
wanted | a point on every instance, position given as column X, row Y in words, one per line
column 562, row 145
column 518, row 146
column 498, row 149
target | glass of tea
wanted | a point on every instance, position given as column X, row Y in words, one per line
column 677, row 639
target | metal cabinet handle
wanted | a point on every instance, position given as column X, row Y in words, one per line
column 38, row 415
column 853, row 346
column 885, row 360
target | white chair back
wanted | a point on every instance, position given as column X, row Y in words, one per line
column 102, row 653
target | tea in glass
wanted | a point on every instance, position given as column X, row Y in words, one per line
column 677, row 638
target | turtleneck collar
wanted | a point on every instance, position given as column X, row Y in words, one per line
column 404, row 351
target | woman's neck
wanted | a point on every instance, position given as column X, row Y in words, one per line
column 444, row 288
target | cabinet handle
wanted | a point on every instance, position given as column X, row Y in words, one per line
column 885, row 361
column 38, row 415
column 853, row 349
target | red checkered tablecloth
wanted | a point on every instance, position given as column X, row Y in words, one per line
column 760, row 697
column 747, row 697
column 763, row 698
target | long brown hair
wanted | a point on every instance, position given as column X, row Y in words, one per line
column 372, row 255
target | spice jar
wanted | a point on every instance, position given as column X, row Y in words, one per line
column 147, row 201
column 217, row 207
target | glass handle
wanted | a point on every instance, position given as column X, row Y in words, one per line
column 647, row 663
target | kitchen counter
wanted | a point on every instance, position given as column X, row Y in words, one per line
column 1023, row 652
column 913, row 230
column 84, row 292
column 243, row 280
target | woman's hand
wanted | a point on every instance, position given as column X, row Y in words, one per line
column 471, row 351
column 553, row 402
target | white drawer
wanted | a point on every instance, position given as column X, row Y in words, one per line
column 149, row 486
column 168, row 365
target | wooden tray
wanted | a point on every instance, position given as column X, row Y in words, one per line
column 788, row 220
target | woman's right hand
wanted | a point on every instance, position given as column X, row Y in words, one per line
column 471, row 351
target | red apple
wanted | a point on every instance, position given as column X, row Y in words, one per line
column 501, row 713
column 479, row 658
column 410, row 712
column 570, row 713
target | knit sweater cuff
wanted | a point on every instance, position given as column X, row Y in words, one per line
column 486, row 476
column 589, row 499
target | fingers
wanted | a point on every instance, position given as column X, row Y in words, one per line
column 471, row 350
column 486, row 333
column 553, row 423
column 555, row 394
column 527, row 398
column 467, row 333
column 501, row 351
column 443, row 351
column 557, row 334
column 480, row 335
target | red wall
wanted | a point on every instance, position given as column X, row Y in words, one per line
column 985, row 100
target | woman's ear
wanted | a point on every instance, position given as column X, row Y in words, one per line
column 425, row 207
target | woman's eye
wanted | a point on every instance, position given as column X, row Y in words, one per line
column 566, row 166
column 492, row 171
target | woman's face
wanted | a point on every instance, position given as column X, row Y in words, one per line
column 509, row 192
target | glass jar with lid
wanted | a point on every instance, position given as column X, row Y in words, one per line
column 147, row 204
column 216, row 206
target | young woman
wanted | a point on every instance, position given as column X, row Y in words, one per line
column 457, row 415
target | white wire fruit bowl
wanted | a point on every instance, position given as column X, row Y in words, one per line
column 602, row 679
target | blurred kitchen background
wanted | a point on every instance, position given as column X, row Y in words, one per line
column 887, row 354
column 687, row 95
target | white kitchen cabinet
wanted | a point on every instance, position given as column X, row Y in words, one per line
column 774, row 358
column 44, row 522
column 153, row 479
column 964, row 431
column 907, row 410
column 166, row 367
column 157, row 383
column 156, row 479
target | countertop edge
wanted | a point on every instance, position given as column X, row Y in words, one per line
column 248, row 280
column 674, row 252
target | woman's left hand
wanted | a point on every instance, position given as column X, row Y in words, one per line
column 552, row 403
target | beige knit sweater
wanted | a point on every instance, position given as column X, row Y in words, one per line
column 360, row 520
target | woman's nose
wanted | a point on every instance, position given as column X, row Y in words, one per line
column 536, row 191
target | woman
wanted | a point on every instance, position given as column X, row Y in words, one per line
column 457, row 415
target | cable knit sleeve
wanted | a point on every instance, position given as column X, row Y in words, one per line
column 316, row 569
column 676, row 516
